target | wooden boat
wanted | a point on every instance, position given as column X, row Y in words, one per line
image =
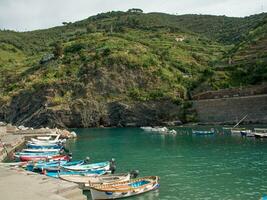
column 86, row 167
column 103, row 179
column 198, row 132
column 124, row 188
column 56, row 174
column 46, row 157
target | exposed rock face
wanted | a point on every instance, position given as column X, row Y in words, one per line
column 32, row 109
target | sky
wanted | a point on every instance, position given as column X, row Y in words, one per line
column 25, row 15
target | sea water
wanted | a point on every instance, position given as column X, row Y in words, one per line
column 219, row 166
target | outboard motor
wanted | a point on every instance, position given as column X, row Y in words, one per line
column 112, row 168
column 87, row 159
column 112, row 161
column 134, row 173
column 70, row 156
column 65, row 149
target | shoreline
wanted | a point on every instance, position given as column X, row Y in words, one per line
column 11, row 138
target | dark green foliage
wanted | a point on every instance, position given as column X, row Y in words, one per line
column 58, row 49
column 136, row 56
column 75, row 48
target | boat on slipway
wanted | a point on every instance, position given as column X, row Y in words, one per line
column 124, row 189
column 43, row 157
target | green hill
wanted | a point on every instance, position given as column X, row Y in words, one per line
column 118, row 68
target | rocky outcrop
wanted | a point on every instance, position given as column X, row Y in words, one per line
column 35, row 109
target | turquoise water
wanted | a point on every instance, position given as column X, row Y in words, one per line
column 190, row 167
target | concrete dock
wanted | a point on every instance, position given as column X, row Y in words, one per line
column 16, row 183
column 19, row 184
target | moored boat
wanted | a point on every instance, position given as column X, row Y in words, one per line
column 124, row 188
column 40, row 150
column 52, row 165
column 200, row 132
column 260, row 132
column 45, row 157
column 92, row 166
column 56, row 174
column 44, row 146
column 103, row 179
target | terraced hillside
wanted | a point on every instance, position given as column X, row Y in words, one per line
column 124, row 68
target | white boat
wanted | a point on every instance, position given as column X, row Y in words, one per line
column 260, row 132
column 156, row 129
column 41, row 150
column 125, row 188
column 48, row 137
column 54, row 141
column 172, row 132
column 95, row 179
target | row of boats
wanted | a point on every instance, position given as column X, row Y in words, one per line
column 162, row 130
column 256, row 132
column 47, row 155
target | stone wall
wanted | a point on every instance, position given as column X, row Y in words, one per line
column 230, row 110
column 232, row 92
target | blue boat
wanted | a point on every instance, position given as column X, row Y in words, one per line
column 198, row 132
column 83, row 173
column 91, row 166
column 56, row 165
column 36, row 154
column 50, row 146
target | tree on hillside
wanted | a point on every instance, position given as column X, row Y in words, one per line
column 58, row 49
column 135, row 10
column 91, row 28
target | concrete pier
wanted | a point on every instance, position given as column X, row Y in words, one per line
column 16, row 183
column 19, row 184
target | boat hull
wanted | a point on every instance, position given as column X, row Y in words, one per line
column 38, row 158
column 122, row 190
column 103, row 179
column 94, row 166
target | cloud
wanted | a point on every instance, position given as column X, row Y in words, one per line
column 36, row 14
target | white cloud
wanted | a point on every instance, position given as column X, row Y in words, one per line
column 35, row 14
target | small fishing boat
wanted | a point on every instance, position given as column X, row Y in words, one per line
column 199, row 132
column 56, row 174
column 45, row 157
column 94, row 166
column 260, row 132
column 46, row 138
column 103, row 179
column 17, row 154
column 124, row 188
column 44, row 146
column 54, row 141
column 240, row 131
column 41, row 150
column 52, row 165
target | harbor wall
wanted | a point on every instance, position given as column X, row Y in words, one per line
column 230, row 110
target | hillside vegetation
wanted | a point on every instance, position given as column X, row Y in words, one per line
column 127, row 58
